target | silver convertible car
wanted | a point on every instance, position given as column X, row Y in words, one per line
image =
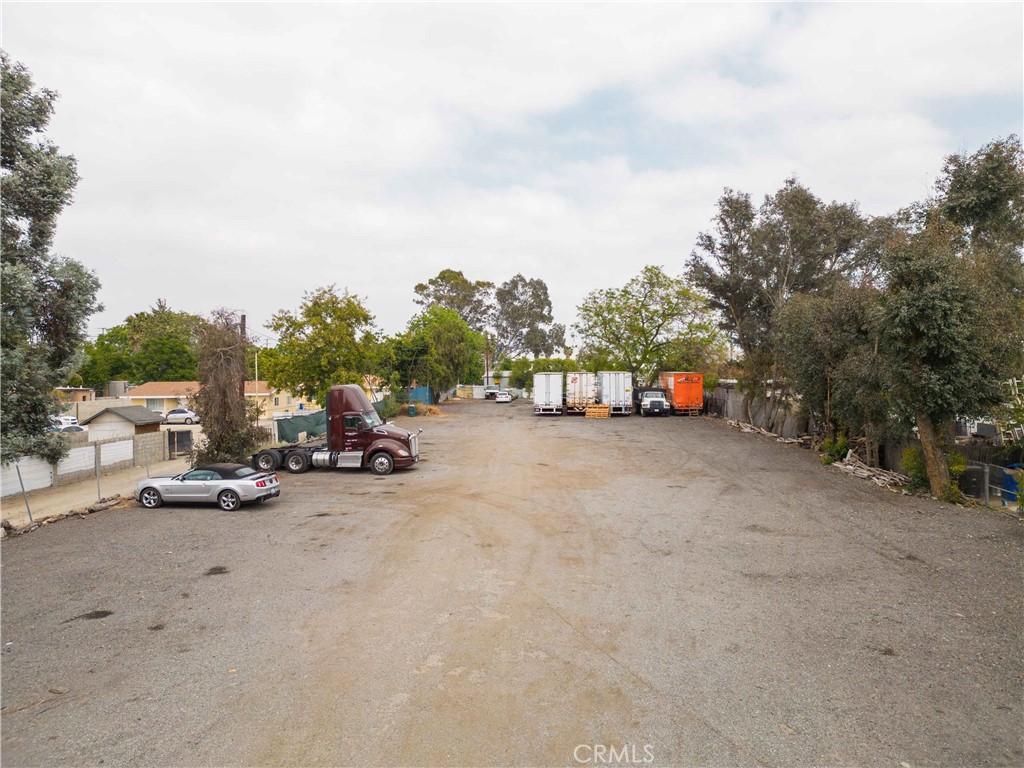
column 226, row 485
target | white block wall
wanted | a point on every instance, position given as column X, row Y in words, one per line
column 78, row 460
column 112, row 453
column 35, row 473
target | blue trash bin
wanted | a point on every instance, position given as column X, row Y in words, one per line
column 1010, row 487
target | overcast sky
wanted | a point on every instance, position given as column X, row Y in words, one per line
column 238, row 155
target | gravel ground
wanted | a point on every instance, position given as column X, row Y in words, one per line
column 538, row 591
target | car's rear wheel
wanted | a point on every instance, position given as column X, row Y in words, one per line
column 229, row 501
column 381, row 463
column 151, row 498
column 296, row 462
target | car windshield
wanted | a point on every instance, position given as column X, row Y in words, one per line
column 372, row 418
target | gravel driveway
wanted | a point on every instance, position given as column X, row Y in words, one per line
column 538, row 591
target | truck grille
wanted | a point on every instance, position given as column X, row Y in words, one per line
column 414, row 445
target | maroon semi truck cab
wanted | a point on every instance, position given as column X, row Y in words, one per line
column 356, row 437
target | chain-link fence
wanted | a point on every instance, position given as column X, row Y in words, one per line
column 992, row 484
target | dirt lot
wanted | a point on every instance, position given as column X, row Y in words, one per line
column 538, row 591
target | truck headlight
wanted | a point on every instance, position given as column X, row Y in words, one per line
column 403, row 453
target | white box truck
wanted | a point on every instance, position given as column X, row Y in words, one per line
column 580, row 391
column 615, row 389
column 547, row 392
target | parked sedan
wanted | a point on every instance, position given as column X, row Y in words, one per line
column 56, row 426
column 180, row 416
column 226, row 485
column 503, row 397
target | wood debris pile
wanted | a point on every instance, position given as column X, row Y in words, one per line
column 804, row 441
column 852, row 465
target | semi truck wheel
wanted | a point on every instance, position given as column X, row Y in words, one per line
column 296, row 462
column 381, row 463
column 268, row 460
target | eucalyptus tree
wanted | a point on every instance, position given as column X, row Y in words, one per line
column 45, row 299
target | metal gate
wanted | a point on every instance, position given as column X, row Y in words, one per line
column 179, row 443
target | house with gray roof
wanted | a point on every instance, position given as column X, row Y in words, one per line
column 122, row 421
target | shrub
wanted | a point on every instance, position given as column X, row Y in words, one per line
column 835, row 450
column 957, row 463
column 388, row 408
column 914, row 468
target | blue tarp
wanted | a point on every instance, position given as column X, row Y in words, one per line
column 421, row 395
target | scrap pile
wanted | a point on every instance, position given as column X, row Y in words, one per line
column 804, row 441
column 852, row 465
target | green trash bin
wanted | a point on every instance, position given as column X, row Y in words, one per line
column 412, row 409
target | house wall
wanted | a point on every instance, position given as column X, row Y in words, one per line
column 109, row 426
column 76, row 395
column 284, row 401
column 84, row 410
column 169, row 403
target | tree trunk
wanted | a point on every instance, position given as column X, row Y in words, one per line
column 934, row 456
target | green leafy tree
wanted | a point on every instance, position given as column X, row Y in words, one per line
column 523, row 321
column 521, row 376
column 951, row 322
column 932, row 334
column 755, row 260
column 814, row 335
column 472, row 300
column 229, row 421
column 161, row 321
column 640, row 325
column 164, row 358
column 330, row 340
column 109, row 358
column 439, row 349
column 406, row 362
column 45, row 299
column 159, row 344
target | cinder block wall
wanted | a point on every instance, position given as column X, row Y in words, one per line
column 151, row 448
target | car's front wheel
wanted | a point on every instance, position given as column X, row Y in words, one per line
column 229, row 501
column 188, row 421
column 151, row 498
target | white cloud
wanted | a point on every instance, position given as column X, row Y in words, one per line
column 268, row 149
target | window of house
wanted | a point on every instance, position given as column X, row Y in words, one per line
column 277, row 401
column 289, row 401
column 155, row 403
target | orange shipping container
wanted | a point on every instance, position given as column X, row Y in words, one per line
column 685, row 390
